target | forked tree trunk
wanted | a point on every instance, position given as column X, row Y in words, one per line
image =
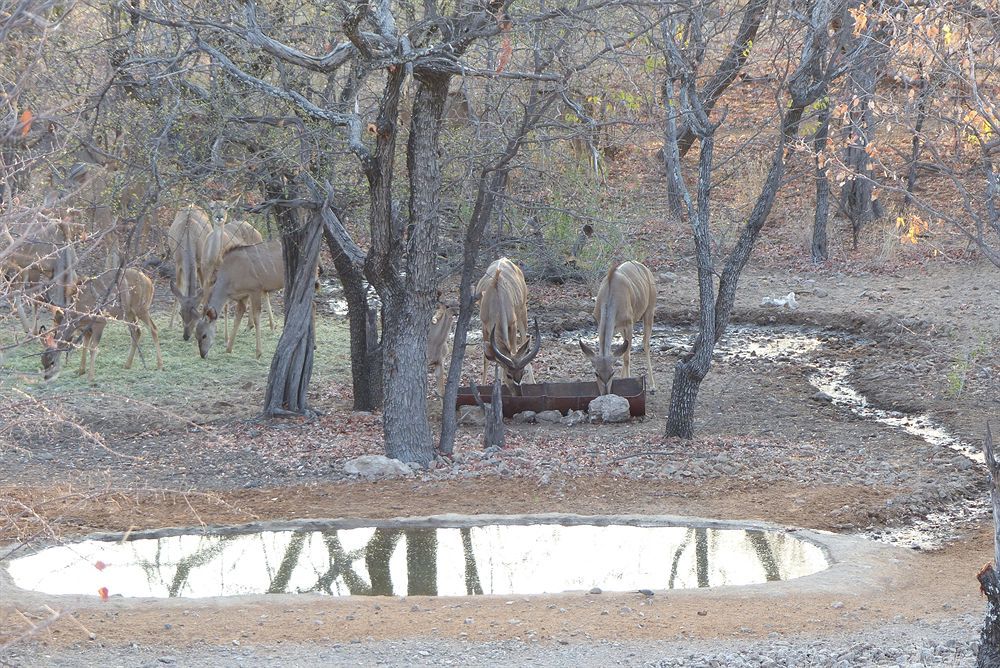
column 989, row 638
column 805, row 86
column 408, row 301
column 291, row 366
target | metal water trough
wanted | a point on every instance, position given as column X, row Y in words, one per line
column 562, row 397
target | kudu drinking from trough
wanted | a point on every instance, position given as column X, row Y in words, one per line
column 503, row 310
column 244, row 274
column 627, row 294
column 190, row 226
column 437, row 344
column 124, row 295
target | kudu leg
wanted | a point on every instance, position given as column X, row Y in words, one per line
column 84, row 351
column 255, row 318
column 270, row 312
column 95, row 343
column 22, row 316
column 241, row 307
column 627, row 357
column 155, row 334
column 136, row 334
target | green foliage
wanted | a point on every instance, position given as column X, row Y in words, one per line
column 959, row 371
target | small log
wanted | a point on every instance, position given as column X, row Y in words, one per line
column 493, row 434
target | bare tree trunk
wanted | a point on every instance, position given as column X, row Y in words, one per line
column 807, row 84
column 409, row 301
column 291, row 366
column 856, row 196
column 989, row 638
column 366, row 353
column 911, row 176
column 820, row 252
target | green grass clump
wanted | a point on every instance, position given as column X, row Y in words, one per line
column 189, row 386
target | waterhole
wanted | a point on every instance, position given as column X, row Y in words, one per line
column 506, row 559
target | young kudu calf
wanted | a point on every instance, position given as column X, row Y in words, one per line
column 627, row 294
column 245, row 273
column 190, row 226
column 437, row 344
column 124, row 295
column 503, row 310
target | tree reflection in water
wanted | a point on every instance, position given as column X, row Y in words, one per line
column 494, row 559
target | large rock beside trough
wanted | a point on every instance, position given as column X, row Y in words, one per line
column 609, row 408
column 376, row 466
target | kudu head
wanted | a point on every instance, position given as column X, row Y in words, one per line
column 205, row 331
column 514, row 363
column 605, row 366
column 189, row 308
column 55, row 343
column 218, row 211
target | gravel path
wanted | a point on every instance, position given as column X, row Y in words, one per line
column 952, row 643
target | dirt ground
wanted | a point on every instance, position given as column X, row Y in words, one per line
column 923, row 340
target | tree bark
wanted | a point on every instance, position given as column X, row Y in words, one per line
column 911, row 175
column 409, row 300
column 857, row 195
column 492, row 182
column 493, row 434
column 366, row 353
column 291, row 366
column 820, row 251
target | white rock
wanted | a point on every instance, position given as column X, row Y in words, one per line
column 788, row 300
column 610, row 408
column 376, row 466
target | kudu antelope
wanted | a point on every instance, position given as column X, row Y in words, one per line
column 220, row 240
column 503, row 310
column 244, row 274
column 627, row 294
column 42, row 254
column 437, row 344
column 190, row 226
column 124, row 295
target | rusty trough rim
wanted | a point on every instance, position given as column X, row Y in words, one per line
column 562, row 397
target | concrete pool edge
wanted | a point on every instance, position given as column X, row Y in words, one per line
column 857, row 564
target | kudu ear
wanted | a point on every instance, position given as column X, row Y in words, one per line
column 619, row 350
column 588, row 352
column 211, row 313
column 174, row 290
